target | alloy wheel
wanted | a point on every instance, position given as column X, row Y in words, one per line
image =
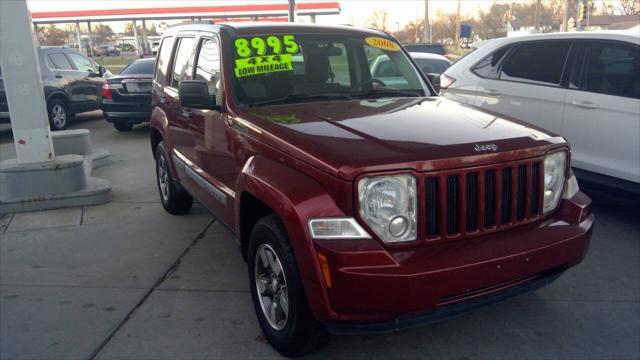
column 163, row 178
column 59, row 116
column 271, row 285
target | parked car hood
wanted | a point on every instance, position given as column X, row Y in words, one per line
column 346, row 138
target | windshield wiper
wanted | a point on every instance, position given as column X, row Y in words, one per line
column 301, row 98
column 386, row 92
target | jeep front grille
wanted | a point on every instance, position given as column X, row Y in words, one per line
column 482, row 199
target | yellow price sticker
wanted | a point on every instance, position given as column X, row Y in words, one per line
column 382, row 43
column 263, row 64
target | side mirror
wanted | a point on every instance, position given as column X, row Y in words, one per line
column 195, row 94
column 102, row 70
column 434, row 79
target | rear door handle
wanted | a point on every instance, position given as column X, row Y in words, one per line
column 585, row 105
column 58, row 76
column 163, row 100
column 493, row 92
column 186, row 113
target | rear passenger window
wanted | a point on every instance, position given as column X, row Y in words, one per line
column 488, row 67
column 163, row 59
column 539, row 62
column 612, row 69
column 208, row 67
column 59, row 61
column 180, row 62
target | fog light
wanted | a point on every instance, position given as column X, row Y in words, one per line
column 398, row 226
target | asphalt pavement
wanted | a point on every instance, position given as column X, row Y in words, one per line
column 126, row 280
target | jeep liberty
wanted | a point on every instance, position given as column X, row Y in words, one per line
column 359, row 207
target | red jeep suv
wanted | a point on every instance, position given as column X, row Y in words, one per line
column 359, row 207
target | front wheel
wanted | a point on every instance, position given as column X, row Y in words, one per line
column 58, row 115
column 173, row 200
column 277, row 292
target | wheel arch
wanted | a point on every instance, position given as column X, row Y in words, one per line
column 266, row 186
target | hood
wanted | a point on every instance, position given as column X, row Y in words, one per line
column 346, row 138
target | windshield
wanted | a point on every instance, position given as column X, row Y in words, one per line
column 432, row 66
column 281, row 68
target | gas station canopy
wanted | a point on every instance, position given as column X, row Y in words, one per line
column 187, row 12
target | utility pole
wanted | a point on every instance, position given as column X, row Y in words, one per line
column 427, row 24
column 457, row 37
column 580, row 17
column 565, row 16
column 537, row 16
column 292, row 10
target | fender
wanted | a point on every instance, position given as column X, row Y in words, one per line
column 159, row 122
column 58, row 92
column 295, row 197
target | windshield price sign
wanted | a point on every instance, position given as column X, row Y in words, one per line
column 264, row 54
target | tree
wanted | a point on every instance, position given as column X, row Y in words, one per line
column 51, row 35
column 493, row 23
column 102, row 33
column 629, row 7
column 128, row 29
column 443, row 26
column 378, row 19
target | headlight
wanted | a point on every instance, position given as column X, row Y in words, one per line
column 388, row 206
column 555, row 167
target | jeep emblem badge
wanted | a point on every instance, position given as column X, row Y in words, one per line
column 485, row 147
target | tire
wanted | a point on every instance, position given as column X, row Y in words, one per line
column 294, row 332
column 58, row 115
column 122, row 126
column 174, row 201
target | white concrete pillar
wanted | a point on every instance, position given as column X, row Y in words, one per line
column 23, row 84
column 90, row 38
column 145, row 43
column 136, row 43
column 79, row 36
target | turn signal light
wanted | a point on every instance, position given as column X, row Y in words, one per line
column 106, row 91
column 324, row 266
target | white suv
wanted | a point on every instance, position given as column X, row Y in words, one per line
column 583, row 86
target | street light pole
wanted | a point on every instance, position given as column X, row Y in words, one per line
column 427, row 24
column 292, row 8
column 457, row 37
column 565, row 16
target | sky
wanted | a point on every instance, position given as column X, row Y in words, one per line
column 353, row 12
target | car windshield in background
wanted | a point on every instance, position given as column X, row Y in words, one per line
column 432, row 66
column 283, row 68
column 139, row 67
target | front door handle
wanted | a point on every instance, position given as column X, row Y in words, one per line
column 186, row 113
column 163, row 100
column 493, row 92
column 585, row 105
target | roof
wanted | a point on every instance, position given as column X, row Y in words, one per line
column 629, row 36
column 186, row 12
column 269, row 27
column 422, row 55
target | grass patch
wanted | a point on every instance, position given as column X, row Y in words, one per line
column 114, row 63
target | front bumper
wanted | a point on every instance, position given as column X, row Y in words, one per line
column 377, row 289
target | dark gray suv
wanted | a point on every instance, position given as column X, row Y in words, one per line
column 72, row 84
